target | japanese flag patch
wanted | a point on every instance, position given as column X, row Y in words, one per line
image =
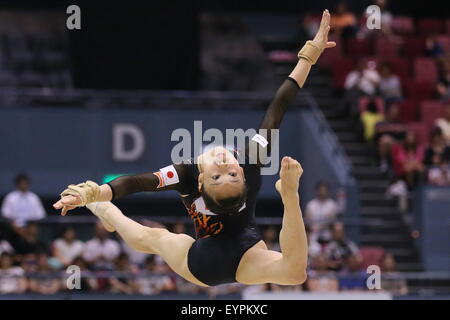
column 167, row 176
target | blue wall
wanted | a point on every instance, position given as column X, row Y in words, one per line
column 432, row 220
column 57, row 147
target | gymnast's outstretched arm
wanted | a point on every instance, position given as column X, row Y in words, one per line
column 125, row 185
column 290, row 87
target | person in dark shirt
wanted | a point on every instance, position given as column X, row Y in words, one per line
column 437, row 147
column 388, row 133
column 219, row 193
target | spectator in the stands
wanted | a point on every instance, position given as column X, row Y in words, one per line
column 438, row 147
column 394, row 285
column 319, row 278
column 87, row 284
column 433, row 47
column 343, row 22
column 385, row 21
column 45, row 280
column 363, row 81
column 369, row 118
column 352, row 277
column 390, row 86
column 101, row 251
column 22, row 205
column 386, row 16
column 340, row 248
column 270, row 237
column 68, row 247
column 321, row 212
column 12, row 279
column 5, row 245
column 439, row 172
column 365, row 78
column 27, row 240
column 314, row 247
column 29, row 262
column 150, row 281
column 407, row 159
column 443, row 123
column 443, row 85
column 388, row 133
column 124, row 282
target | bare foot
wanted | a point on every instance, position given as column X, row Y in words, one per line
column 290, row 174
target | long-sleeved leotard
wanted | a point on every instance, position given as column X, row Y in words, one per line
column 183, row 177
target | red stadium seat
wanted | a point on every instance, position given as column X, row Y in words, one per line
column 371, row 256
column 364, row 101
column 385, row 48
column 428, row 26
column 340, row 69
column 418, row 89
column 430, row 110
column 425, row 69
column 402, row 25
column 329, row 57
column 422, row 132
column 358, row 47
column 414, row 47
column 400, row 67
column 408, row 111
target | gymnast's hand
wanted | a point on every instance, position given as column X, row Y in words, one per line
column 321, row 38
column 67, row 203
column 78, row 195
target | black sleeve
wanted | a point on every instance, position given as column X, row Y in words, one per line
column 275, row 112
column 181, row 178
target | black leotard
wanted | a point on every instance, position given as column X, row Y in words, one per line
column 221, row 240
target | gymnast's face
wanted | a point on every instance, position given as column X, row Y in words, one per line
column 220, row 173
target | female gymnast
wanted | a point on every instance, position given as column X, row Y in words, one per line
column 220, row 196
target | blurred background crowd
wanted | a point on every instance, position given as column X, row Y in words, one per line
column 29, row 264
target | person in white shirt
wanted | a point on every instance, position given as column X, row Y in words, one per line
column 101, row 251
column 390, row 86
column 363, row 81
column 67, row 248
column 22, row 205
column 444, row 123
column 12, row 279
column 365, row 78
column 321, row 211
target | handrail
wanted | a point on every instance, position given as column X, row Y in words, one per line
column 330, row 137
